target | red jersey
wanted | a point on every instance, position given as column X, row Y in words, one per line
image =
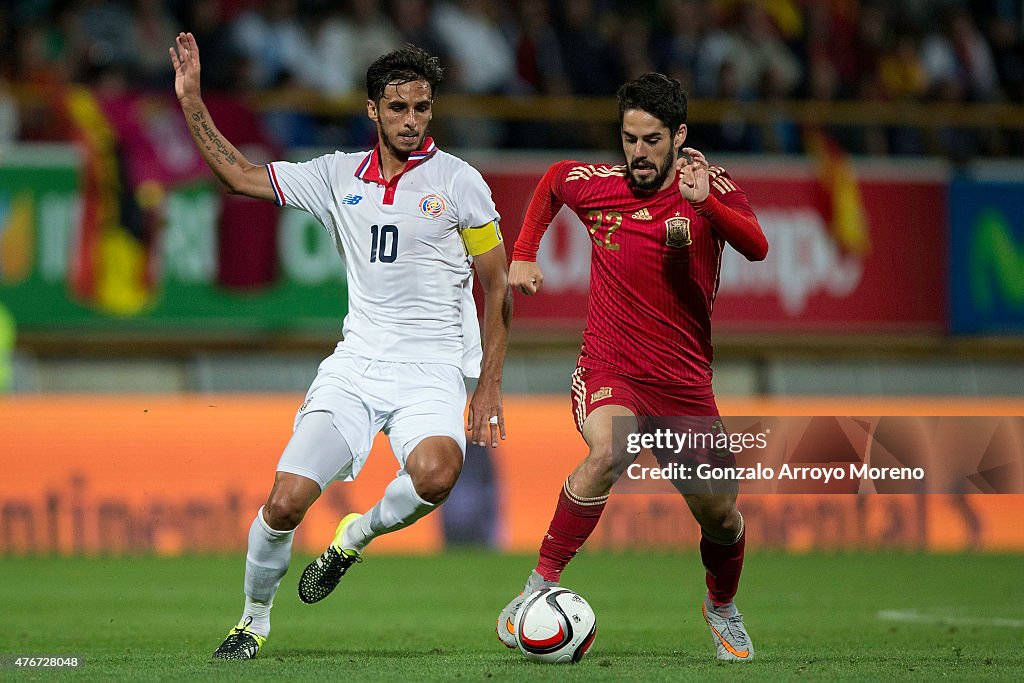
column 654, row 267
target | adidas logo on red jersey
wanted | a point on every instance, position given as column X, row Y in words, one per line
column 642, row 215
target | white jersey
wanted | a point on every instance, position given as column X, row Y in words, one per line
column 409, row 278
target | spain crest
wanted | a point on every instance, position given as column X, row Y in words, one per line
column 677, row 232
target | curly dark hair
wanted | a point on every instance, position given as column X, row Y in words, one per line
column 404, row 65
column 658, row 95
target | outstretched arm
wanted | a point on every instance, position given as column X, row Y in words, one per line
column 234, row 170
column 492, row 270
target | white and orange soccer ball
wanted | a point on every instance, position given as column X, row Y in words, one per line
column 555, row 626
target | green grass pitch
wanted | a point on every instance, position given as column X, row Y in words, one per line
column 811, row 617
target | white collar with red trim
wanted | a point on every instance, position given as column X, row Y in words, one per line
column 369, row 169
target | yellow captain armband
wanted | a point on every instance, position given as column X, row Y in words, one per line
column 482, row 239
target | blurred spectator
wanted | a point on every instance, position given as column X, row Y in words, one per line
column 873, row 30
column 46, row 62
column 733, row 133
column 207, row 21
column 750, row 44
column 957, row 60
column 586, row 53
column 677, row 47
column 1008, row 54
column 781, row 135
column 746, row 51
column 353, row 35
column 278, row 53
column 762, row 49
column 104, row 40
column 539, row 71
column 824, row 86
column 714, row 50
column 632, row 44
column 901, row 77
column 412, row 20
column 335, row 47
column 901, row 72
column 823, row 82
column 153, row 30
column 373, row 35
column 832, row 32
column 538, row 51
column 347, row 43
column 482, row 60
column 482, row 63
column 276, row 45
column 955, row 142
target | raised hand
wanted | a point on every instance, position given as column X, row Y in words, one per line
column 185, row 59
column 694, row 183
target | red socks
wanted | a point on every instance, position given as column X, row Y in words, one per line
column 574, row 520
column 724, row 564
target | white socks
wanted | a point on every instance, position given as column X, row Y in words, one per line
column 400, row 507
column 266, row 562
column 269, row 554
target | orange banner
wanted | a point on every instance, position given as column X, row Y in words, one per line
column 162, row 474
column 165, row 474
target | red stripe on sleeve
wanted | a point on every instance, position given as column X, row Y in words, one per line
column 277, row 186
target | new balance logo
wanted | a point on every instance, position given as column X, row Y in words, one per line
column 642, row 215
column 351, row 199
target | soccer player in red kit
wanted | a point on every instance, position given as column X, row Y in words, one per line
column 659, row 224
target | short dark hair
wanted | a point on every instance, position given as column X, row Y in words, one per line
column 658, row 95
column 404, row 65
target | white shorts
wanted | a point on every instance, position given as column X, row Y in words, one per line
column 407, row 401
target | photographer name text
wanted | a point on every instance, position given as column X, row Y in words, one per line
column 759, row 472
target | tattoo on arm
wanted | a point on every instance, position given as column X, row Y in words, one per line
column 219, row 152
column 222, row 149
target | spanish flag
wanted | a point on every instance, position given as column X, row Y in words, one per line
column 848, row 220
column 109, row 269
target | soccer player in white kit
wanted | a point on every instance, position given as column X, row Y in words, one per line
column 412, row 222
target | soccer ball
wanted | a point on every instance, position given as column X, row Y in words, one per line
column 555, row 626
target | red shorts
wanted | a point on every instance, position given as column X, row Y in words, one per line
column 593, row 388
column 659, row 405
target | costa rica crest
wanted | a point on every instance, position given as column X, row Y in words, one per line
column 432, row 206
column 677, row 232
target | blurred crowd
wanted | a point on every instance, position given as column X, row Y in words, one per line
column 747, row 51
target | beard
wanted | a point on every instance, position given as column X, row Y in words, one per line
column 392, row 143
column 654, row 182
